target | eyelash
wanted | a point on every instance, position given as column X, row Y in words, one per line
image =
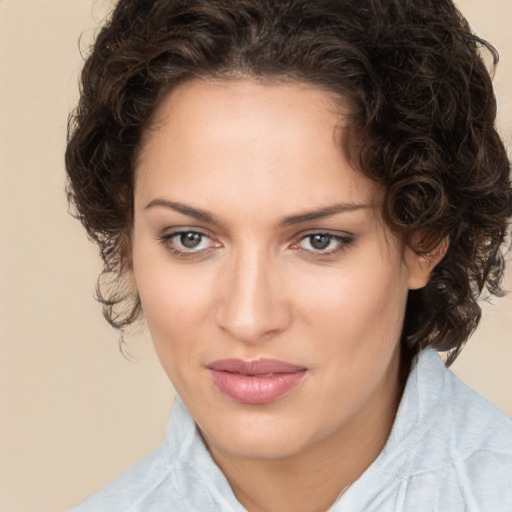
column 343, row 242
column 167, row 241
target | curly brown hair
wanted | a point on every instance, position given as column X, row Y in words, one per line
column 423, row 106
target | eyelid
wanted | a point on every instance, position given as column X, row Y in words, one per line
column 178, row 230
column 167, row 237
column 345, row 239
column 329, row 232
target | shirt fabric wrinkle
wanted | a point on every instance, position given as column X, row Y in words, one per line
column 449, row 450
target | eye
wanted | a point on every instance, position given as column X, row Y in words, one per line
column 323, row 243
column 319, row 242
column 190, row 240
column 186, row 242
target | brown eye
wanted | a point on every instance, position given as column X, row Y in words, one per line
column 320, row 242
column 324, row 244
column 187, row 242
column 191, row 240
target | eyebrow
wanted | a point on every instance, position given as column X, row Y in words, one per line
column 190, row 211
column 291, row 220
column 322, row 213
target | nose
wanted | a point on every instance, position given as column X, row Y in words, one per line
column 252, row 307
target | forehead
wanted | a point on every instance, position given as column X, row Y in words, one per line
column 242, row 141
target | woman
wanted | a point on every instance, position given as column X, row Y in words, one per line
column 305, row 200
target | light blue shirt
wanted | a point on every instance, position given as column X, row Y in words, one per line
column 449, row 451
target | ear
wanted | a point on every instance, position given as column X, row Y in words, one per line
column 420, row 266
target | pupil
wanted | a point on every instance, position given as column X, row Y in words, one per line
column 190, row 240
column 320, row 241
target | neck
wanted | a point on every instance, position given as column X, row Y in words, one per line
column 312, row 480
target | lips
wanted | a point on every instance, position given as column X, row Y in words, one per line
column 255, row 382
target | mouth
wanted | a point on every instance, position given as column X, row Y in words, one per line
column 255, row 382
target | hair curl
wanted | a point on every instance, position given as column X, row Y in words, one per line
column 423, row 105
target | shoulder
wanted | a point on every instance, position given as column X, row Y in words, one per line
column 179, row 475
column 465, row 454
column 154, row 484
column 480, row 447
column 473, row 425
column 449, row 449
column 464, row 419
column 132, row 488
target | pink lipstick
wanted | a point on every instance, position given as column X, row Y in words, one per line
column 255, row 382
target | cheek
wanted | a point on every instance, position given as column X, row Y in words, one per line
column 362, row 301
column 175, row 310
column 175, row 301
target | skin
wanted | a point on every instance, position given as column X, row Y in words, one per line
column 251, row 154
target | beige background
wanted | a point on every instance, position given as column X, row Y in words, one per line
column 74, row 412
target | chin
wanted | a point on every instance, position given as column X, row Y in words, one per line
column 250, row 438
column 259, row 447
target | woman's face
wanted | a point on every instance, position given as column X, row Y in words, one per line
column 273, row 291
